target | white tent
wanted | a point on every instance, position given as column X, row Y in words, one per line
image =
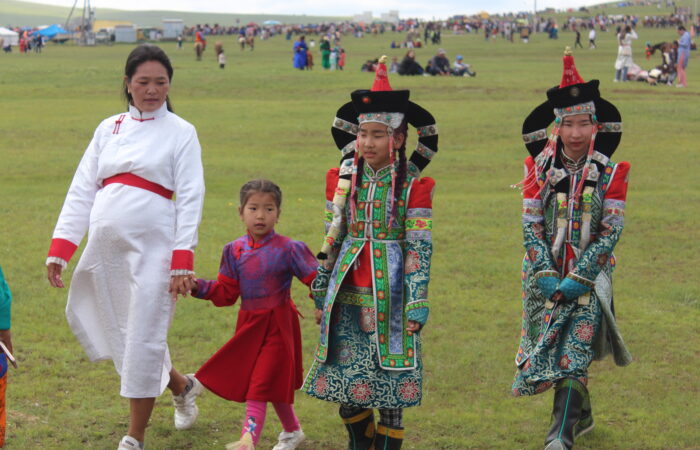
column 8, row 36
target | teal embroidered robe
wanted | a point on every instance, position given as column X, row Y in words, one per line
column 561, row 341
column 400, row 262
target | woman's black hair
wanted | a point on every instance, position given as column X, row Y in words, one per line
column 141, row 54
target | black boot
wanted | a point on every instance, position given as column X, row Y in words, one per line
column 568, row 399
column 360, row 430
column 388, row 438
column 585, row 422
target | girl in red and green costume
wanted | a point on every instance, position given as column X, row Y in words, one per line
column 573, row 215
column 371, row 290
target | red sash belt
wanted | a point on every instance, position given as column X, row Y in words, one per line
column 130, row 179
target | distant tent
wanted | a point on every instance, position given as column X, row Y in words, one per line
column 272, row 22
column 9, row 37
column 51, row 31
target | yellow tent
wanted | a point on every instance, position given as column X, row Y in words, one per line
column 108, row 24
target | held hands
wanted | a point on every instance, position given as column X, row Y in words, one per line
column 182, row 285
column 54, row 275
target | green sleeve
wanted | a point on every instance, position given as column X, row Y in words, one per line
column 5, row 303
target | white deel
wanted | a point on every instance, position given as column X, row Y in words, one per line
column 118, row 305
column 289, row 441
column 186, row 410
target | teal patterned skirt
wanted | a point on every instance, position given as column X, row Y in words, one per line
column 562, row 350
column 351, row 374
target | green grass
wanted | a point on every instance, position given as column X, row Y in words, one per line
column 259, row 117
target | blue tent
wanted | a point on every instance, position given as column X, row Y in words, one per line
column 51, row 31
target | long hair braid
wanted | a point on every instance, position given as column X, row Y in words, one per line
column 358, row 179
column 402, row 168
column 400, row 178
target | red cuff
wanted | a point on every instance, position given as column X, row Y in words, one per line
column 307, row 280
column 62, row 248
column 182, row 260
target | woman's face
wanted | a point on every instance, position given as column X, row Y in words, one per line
column 373, row 141
column 576, row 132
column 149, row 86
column 411, row 54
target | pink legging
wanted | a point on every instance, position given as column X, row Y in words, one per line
column 255, row 412
column 681, row 70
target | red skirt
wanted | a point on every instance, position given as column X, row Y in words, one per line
column 262, row 361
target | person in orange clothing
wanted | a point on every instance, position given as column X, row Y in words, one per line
column 371, row 291
column 573, row 215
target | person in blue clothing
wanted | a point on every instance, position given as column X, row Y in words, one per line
column 300, row 49
column 683, row 55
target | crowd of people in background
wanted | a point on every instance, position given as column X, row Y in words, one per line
column 418, row 34
column 332, row 57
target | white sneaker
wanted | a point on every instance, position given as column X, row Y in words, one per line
column 289, row 441
column 186, row 410
column 129, row 443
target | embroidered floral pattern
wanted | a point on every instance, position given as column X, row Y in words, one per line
column 360, row 391
column 368, row 323
column 564, row 362
column 409, row 390
column 412, row 262
column 321, row 384
column 543, row 387
column 361, row 382
column 345, row 353
column 532, row 254
column 584, row 331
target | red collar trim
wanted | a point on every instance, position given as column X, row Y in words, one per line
column 261, row 243
column 142, row 120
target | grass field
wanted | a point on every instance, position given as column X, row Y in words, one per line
column 259, row 117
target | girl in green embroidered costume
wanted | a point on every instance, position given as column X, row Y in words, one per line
column 371, row 289
column 573, row 215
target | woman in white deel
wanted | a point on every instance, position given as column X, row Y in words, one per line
column 624, row 53
column 140, row 241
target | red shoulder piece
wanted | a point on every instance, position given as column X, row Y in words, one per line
column 617, row 190
column 332, row 182
column 421, row 195
column 531, row 187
